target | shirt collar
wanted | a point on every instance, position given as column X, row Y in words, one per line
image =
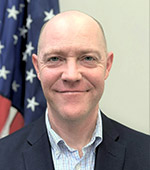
column 56, row 141
column 54, row 138
column 97, row 134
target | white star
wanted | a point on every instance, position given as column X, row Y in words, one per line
column 32, row 103
column 1, row 47
column 15, row 37
column 29, row 21
column 29, row 48
column 4, row 72
column 12, row 12
column 15, row 86
column 23, row 31
column 28, row 1
column 30, row 76
column 49, row 15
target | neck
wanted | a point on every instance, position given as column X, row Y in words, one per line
column 76, row 133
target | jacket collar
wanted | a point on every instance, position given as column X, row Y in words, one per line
column 38, row 155
column 110, row 153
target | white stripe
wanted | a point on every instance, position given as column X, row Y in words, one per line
column 11, row 116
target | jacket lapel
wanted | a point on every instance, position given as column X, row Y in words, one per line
column 38, row 153
column 110, row 153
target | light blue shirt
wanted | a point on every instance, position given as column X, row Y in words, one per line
column 66, row 158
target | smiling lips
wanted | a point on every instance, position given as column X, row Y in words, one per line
column 72, row 91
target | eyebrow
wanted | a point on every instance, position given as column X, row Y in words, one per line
column 64, row 53
column 53, row 52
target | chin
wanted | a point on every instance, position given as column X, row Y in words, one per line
column 74, row 114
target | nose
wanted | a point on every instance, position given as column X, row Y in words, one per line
column 71, row 72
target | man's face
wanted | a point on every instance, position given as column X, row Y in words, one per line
column 72, row 66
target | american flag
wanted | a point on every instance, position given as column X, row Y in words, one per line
column 21, row 97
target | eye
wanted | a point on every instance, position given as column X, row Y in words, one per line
column 89, row 61
column 53, row 59
column 89, row 58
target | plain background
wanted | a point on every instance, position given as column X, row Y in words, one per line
column 126, row 27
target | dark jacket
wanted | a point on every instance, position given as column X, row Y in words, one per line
column 122, row 148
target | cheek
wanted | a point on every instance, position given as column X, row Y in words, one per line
column 96, row 78
column 48, row 77
column 99, row 84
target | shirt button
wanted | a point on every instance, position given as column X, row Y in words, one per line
column 78, row 167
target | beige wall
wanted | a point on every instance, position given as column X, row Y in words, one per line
column 126, row 25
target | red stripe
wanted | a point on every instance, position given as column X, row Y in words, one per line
column 17, row 123
column 5, row 105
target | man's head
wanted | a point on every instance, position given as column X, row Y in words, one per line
column 72, row 64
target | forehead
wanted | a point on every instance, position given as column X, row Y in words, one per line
column 73, row 31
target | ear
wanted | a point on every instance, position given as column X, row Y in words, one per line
column 110, row 57
column 35, row 63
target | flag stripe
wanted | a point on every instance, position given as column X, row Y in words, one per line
column 17, row 123
column 5, row 105
column 14, row 122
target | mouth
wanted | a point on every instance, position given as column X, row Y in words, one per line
column 71, row 91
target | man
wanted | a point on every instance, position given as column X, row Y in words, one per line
column 72, row 64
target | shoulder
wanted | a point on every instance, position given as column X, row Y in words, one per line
column 15, row 138
column 136, row 144
column 126, row 134
column 129, row 135
column 17, row 142
column 21, row 146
